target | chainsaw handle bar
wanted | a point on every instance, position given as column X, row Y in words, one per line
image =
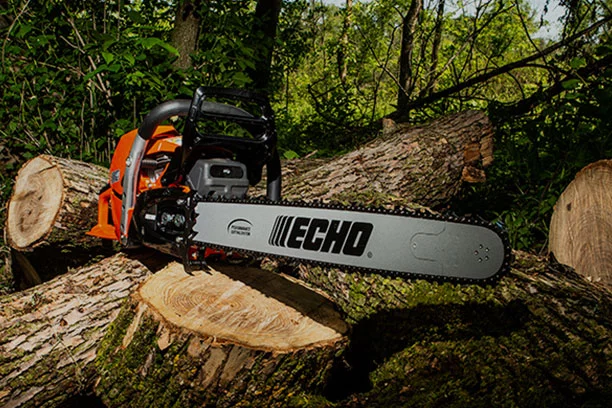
column 253, row 153
column 159, row 114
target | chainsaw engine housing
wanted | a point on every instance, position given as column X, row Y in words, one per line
column 156, row 172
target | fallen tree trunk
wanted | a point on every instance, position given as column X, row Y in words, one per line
column 50, row 333
column 219, row 338
column 426, row 165
column 581, row 225
column 540, row 337
column 54, row 201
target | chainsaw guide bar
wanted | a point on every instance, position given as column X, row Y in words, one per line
column 399, row 242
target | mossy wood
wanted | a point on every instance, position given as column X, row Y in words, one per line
column 49, row 334
column 581, row 224
column 238, row 336
column 539, row 338
column 54, row 201
column 425, row 165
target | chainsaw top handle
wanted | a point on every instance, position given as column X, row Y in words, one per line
column 256, row 119
column 253, row 153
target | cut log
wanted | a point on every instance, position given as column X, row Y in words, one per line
column 50, row 333
column 54, row 201
column 426, row 165
column 581, row 224
column 226, row 338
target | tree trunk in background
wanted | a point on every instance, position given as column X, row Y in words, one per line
column 426, row 165
column 50, row 333
column 343, row 48
column 186, row 31
column 435, row 49
column 238, row 337
column 262, row 40
column 581, row 224
column 406, row 74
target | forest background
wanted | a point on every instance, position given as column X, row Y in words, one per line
column 75, row 76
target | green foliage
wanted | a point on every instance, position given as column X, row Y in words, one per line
column 538, row 155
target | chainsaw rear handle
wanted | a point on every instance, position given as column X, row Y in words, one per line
column 186, row 107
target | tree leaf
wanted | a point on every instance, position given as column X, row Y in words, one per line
column 108, row 57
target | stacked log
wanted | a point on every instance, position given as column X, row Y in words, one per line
column 54, row 200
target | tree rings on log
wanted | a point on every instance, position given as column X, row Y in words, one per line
column 237, row 336
column 581, row 224
column 54, row 200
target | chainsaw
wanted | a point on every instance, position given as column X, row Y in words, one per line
column 186, row 194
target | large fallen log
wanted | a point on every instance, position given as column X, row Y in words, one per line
column 425, row 165
column 54, row 202
column 50, row 334
column 581, row 225
column 540, row 337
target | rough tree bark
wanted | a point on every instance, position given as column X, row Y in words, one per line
column 242, row 336
column 186, row 31
column 426, row 165
column 581, row 224
column 50, row 333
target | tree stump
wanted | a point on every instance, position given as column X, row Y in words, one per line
column 239, row 336
column 50, row 333
column 54, row 201
column 581, row 224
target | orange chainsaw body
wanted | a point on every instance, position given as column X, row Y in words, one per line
column 157, row 174
column 165, row 140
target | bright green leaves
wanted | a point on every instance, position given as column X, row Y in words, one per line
column 151, row 42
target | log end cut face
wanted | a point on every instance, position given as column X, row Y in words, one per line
column 35, row 203
column 247, row 306
column 581, row 225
